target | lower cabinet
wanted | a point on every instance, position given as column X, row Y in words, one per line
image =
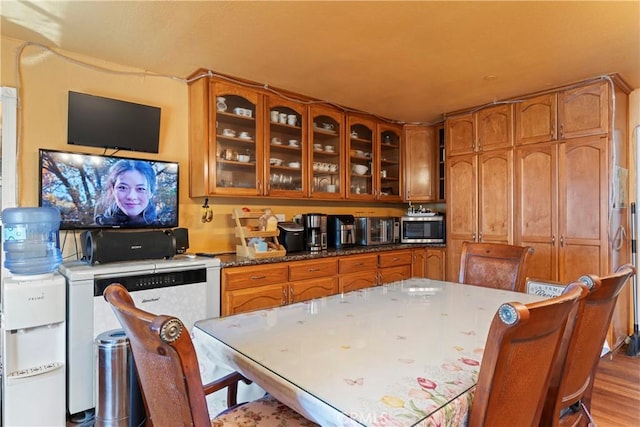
column 436, row 264
column 429, row 263
column 270, row 285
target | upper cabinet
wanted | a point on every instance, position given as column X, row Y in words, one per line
column 494, row 127
column 570, row 113
column 584, row 110
column 420, row 152
column 225, row 148
column 247, row 141
column 326, row 152
column 388, row 170
column 362, row 142
column 285, row 140
column 487, row 129
column 460, row 135
column 536, row 119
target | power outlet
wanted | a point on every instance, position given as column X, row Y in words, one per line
column 281, row 217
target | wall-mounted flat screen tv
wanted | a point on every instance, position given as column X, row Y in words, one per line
column 95, row 121
column 98, row 191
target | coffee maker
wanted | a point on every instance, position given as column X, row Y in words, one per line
column 341, row 231
column 315, row 231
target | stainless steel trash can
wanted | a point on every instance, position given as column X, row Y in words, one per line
column 118, row 402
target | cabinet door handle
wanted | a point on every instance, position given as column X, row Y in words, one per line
column 552, row 131
column 561, row 130
column 479, row 237
column 473, row 237
column 396, row 259
column 292, row 297
column 553, row 240
column 284, row 296
column 313, row 269
column 258, row 277
column 561, row 241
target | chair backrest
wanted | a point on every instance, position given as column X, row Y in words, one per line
column 166, row 363
column 572, row 380
column 494, row 265
column 521, row 349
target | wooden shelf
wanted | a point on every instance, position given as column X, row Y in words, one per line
column 245, row 232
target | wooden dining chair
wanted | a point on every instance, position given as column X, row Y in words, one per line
column 494, row 265
column 568, row 401
column 169, row 375
column 521, row 349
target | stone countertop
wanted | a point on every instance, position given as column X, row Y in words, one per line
column 232, row 260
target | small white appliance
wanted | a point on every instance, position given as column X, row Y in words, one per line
column 33, row 350
column 185, row 287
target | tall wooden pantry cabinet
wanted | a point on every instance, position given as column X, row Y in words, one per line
column 560, row 186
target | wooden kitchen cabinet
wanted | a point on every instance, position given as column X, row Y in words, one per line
column 429, row 263
column 394, row 266
column 419, row 262
column 215, row 166
column 460, row 135
column 435, row 261
column 420, row 153
column 569, row 237
column 361, row 143
column 487, row 129
column 387, row 171
column 249, row 299
column 584, row 110
column 315, row 268
column 305, row 290
column 494, row 127
column 479, row 202
column 569, row 188
column 285, row 142
column 536, row 119
column 354, row 281
column 327, row 158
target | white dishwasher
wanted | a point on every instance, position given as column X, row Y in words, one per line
column 188, row 288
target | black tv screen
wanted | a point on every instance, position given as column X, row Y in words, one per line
column 95, row 121
column 97, row 191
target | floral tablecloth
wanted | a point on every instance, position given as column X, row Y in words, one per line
column 402, row 354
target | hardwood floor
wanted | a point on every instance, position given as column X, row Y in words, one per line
column 616, row 393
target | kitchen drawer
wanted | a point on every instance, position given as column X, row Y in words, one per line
column 391, row 259
column 300, row 270
column 394, row 274
column 312, row 288
column 243, row 300
column 353, row 263
column 258, row 275
column 355, row 281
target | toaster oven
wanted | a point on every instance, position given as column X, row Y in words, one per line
column 376, row 230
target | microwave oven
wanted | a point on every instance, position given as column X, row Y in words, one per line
column 377, row 230
column 422, row 229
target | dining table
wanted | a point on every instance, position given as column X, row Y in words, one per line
column 407, row 353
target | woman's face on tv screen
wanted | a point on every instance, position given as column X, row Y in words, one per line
column 132, row 193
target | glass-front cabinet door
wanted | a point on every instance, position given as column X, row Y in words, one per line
column 389, row 162
column 361, row 137
column 236, row 113
column 326, row 152
column 285, row 148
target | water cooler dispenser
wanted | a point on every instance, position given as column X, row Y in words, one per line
column 33, row 320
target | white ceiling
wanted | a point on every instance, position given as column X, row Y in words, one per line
column 409, row 61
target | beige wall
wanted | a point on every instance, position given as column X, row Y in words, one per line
column 46, row 78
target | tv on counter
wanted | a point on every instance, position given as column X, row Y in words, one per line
column 97, row 191
column 95, row 121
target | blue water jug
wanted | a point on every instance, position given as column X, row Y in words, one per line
column 31, row 240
